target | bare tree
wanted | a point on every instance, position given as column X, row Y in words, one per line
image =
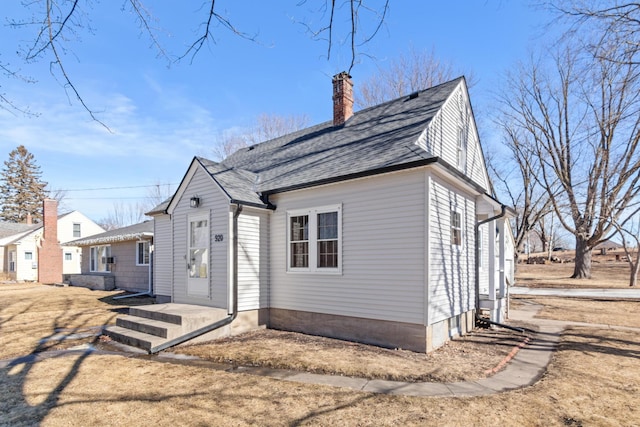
column 266, row 127
column 582, row 119
column 519, row 183
column 614, row 23
column 55, row 22
column 122, row 215
column 410, row 72
column 631, row 230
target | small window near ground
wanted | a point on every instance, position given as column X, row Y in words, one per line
column 142, row 253
column 76, row 230
column 28, row 255
column 68, row 256
column 456, row 228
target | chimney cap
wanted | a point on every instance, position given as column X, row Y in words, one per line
column 342, row 75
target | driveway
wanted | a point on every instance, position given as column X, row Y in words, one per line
column 572, row 292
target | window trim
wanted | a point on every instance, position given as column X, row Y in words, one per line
column 91, row 259
column 12, row 261
column 70, row 258
column 73, row 230
column 460, row 228
column 313, row 240
column 148, row 243
column 29, row 257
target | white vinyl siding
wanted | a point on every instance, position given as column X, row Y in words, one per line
column 253, row 259
column 451, row 267
column 452, row 135
column 383, row 231
column 216, row 204
column 162, row 255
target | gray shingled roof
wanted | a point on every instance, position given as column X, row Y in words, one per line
column 131, row 232
column 10, row 228
column 374, row 139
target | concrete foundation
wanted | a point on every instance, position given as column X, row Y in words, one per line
column 94, row 282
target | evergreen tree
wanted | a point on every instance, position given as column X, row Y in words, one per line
column 21, row 188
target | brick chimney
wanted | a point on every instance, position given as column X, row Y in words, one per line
column 29, row 219
column 342, row 98
column 50, row 252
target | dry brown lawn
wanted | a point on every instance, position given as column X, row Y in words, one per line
column 464, row 359
column 606, row 274
column 593, row 380
column 605, row 312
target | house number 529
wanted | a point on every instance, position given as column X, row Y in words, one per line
column 218, row 238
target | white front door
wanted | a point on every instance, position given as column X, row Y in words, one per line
column 198, row 256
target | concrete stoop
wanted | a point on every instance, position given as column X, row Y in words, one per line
column 148, row 327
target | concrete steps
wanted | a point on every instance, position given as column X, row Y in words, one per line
column 149, row 327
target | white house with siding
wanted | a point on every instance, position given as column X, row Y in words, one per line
column 21, row 249
column 379, row 226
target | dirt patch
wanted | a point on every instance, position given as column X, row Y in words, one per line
column 463, row 359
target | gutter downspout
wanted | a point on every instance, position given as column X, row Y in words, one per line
column 233, row 311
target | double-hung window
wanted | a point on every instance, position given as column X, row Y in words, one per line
column 76, row 230
column 456, row 228
column 314, row 239
column 142, row 252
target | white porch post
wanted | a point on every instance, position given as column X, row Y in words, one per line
column 502, row 282
column 492, row 268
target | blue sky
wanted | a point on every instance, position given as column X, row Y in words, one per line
column 161, row 116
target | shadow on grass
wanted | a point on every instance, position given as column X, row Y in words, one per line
column 15, row 408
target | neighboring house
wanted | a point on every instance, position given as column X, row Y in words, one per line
column 10, row 231
column 22, row 249
column 363, row 228
column 118, row 258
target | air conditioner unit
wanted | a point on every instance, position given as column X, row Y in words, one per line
column 111, row 260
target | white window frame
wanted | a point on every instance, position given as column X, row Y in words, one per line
column 28, row 256
column 461, row 156
column 456, row 210
column 94, row 263
column 73, row 230
column 68, row 256
column 146, row 243
column 12, row 261
column 313, row 240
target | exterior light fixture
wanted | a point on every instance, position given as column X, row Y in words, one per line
column 194, row 202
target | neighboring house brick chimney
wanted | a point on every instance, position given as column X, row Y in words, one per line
column 342, row 98
column 29, row 219
column 50, row 252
